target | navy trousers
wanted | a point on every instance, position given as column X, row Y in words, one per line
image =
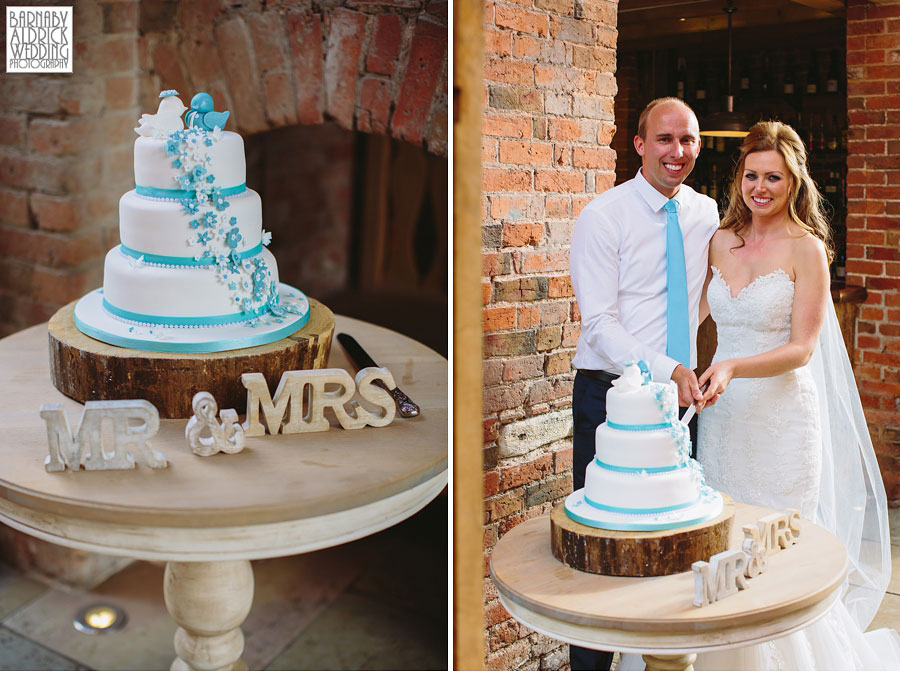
column 589, row 412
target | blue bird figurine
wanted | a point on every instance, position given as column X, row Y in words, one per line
column 203, row 116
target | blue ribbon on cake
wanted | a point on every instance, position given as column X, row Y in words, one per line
column 165, row 193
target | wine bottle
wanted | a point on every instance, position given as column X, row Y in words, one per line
column 812, row 77
column 831, row 140
column 840, row 267
column 743, row 93
column 680, row 78
column 701, row 90
column 789, row 86
column 832, row 84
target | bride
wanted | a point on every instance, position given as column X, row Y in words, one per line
column 787, row 428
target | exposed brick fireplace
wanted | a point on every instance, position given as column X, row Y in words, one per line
column 308, row 86
column 332, row 72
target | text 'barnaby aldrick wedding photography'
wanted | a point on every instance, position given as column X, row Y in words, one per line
column 39, row 40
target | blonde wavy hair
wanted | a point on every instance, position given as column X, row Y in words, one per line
column 805, row 203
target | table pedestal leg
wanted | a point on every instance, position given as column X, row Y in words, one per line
column 670, row 661
column 209, row 601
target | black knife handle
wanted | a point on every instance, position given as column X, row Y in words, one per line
column 357, row 354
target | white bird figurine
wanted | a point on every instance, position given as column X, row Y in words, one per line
column 167, row 118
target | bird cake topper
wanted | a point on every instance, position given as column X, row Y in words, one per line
column 203, row 116
column 167, row 118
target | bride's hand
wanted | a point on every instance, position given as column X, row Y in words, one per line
column 718, row 376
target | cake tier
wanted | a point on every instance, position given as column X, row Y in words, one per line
column 640, row 492
column 154, row 293
column 650, row 404
column 153, row 168
column 642, row 449
column 162, row 227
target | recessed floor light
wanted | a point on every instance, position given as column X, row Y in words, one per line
column 97, row 619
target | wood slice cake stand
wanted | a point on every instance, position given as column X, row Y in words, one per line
column 86, row 369
column 637, row 554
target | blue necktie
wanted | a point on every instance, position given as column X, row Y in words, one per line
column 678, row 331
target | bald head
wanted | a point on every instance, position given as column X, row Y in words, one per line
column 668, row 142
column 667, row 102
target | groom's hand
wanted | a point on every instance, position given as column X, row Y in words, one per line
column 688, row 388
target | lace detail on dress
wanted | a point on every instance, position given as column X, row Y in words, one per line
column 761, row 443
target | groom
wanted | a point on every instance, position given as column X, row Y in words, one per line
column 638, row 262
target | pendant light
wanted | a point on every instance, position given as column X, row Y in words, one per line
column 726, row 123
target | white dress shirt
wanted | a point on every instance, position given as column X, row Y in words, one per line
column 618, row 268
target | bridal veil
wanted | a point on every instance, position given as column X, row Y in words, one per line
column 852, row 499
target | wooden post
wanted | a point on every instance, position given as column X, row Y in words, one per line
column 209, row 601
column 670, row 661
column 468, row 561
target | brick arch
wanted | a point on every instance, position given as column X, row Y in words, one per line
column 376, row 67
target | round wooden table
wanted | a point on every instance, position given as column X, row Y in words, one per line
column 207, row 517
column 655, row 616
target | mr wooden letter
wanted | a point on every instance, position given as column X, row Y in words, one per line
column 133, row 424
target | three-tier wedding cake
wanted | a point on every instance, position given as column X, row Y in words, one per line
column 192, row 274
column 642, row 477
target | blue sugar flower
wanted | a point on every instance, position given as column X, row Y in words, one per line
column 172, row 146
column 199, row 171
column 208, row 141
column 246, row 305
column 209, row 219
column 233, row 220
column 210, row 179
column 195, row 223
column 259, row 277
column 218, row 199
column 177, row 163
column 233, row 237
column 190, row 206
column 204, row 237
column 185, row 180
column 232, row 285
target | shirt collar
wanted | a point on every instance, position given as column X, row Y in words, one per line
column 654, row 198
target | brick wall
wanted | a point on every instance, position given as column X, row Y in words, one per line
column 66, row 140
column 65, row 159
column 873, row 223
column 548, row 124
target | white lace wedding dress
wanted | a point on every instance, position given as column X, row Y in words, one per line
column 762, row 444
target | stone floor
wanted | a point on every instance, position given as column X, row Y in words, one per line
column 380, row 603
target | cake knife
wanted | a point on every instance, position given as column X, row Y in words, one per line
column 692, row 408
column 361, row 359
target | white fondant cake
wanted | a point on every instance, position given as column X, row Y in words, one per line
column 192, row 273
column 642, row 477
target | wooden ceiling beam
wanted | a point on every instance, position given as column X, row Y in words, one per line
column 836, row 6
